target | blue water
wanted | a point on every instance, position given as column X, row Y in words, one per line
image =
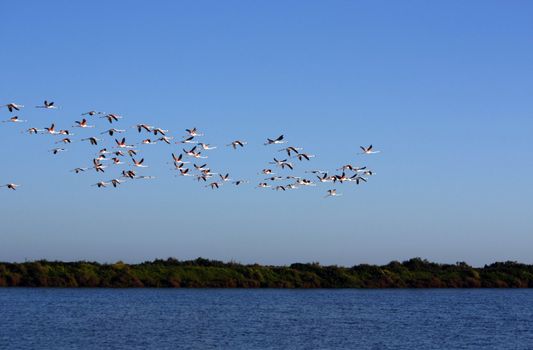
column 265, row 319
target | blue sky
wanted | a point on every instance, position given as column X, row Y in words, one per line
column 442, row 88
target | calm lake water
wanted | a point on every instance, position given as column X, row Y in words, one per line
column 265, row 319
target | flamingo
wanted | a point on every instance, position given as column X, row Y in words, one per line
column 82, row 124
column 274, row 178
column 352, row 168
column 14, row 119
column 13, row 107
column 122, row 143
column 290, row 150
column 47, row 105
column 92, row 113
column 225, row 178
column 240, row 182
column 193, row 132
column 368, row 150
column 79, row 170
column 111, row 117
column 178, row 166
column 148, row 142
column 200, row 167
column 357, row 179
column 65, row 140
column 51, row 130
column 282, row 164
column 57, row 150
column 236, row 143
column 326, row 178
column 33, row 131
column 214, row 185
column 116, row 182
column 189, row 140
column 203, row 177
column 144, row 177
column 316, row 172
column 101, row 184
column 165, row 139
column 65, row 132
column 207, row 174
column 206, row 147
column 341, row 178
column 185, row 172
column 128, row 174
column 305, row 182
column 277, row 141
column 191, row 152
column 99, row 167
column 146, row 127
column 333, row 193
column 117, row 161
column 139, row 164
column 302, row 156
column 92, row 140
column 159, row 131
column 11, row 186
column 179, row 159
column 101, row 158
column 112, row 131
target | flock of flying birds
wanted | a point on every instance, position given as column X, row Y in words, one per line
column 127, row 157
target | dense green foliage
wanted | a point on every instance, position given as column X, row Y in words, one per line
column 202, row 273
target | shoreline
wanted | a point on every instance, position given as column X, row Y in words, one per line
column 201, row 273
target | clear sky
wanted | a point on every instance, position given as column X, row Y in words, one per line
column 444, row 89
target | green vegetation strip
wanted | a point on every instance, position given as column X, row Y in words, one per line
column 202, row 273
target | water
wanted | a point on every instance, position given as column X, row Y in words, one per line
column 265, row 319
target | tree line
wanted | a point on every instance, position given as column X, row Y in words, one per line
column 203, row 273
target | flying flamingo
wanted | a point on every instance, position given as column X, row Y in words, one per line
column 11, row 186
column 47, row 105
column 13, row 107
column 368, row 150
